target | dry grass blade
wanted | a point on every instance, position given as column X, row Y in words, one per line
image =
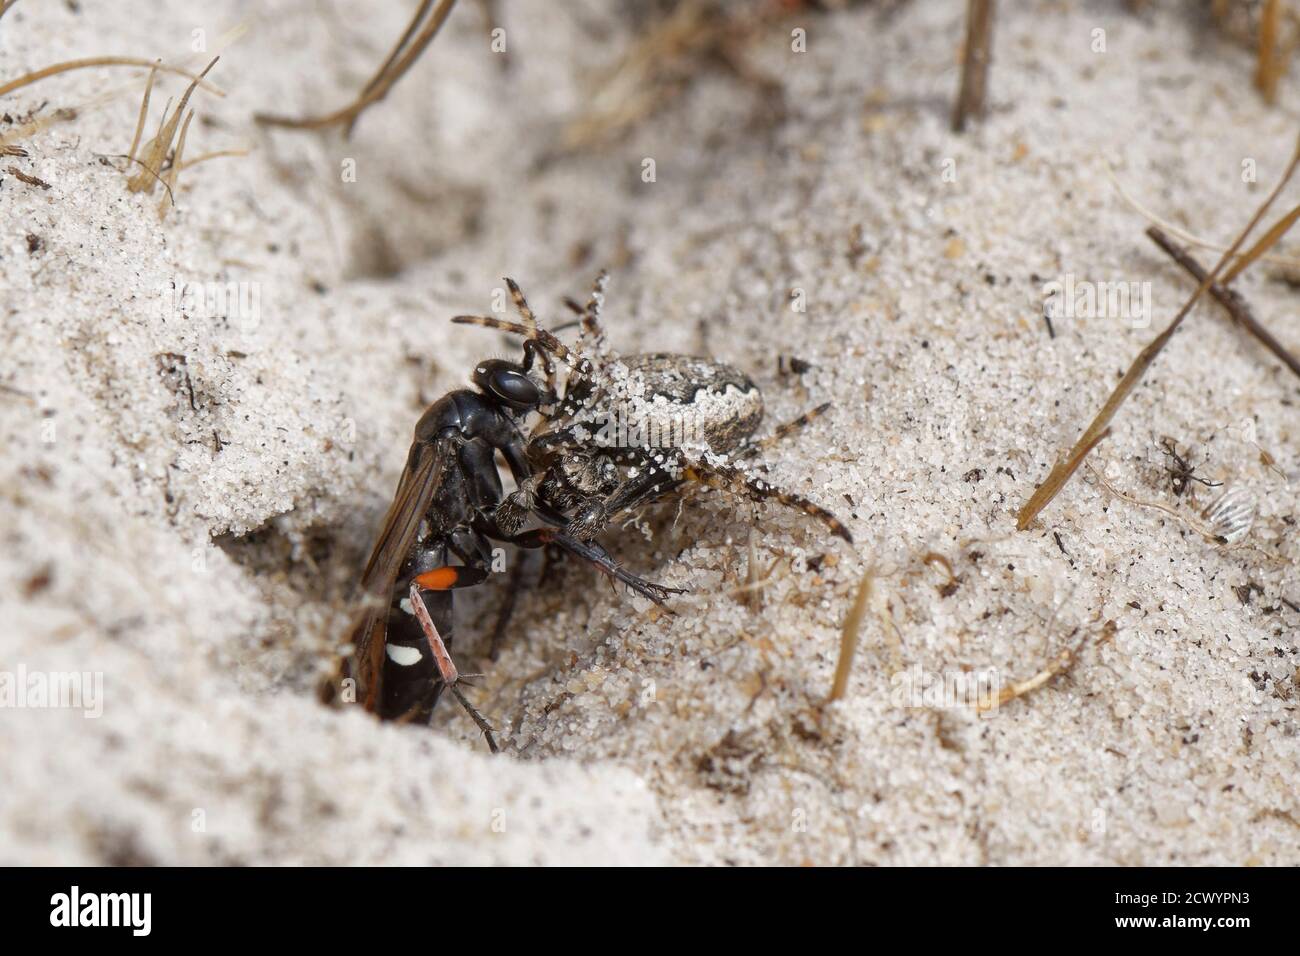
column 1063, row 471
column 215, row 154
column 398, row 62
column 1270, row 66
column 1231, row 301
column 1183, row 235
column 633, row 89
column 144, row 111
column 156, row 150
column 173, row 173
column 396, row 52
column 975, row 63
column 1280, row 229
column 30, row 78
column 849, row 638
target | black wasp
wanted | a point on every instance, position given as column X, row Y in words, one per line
column 444, row 508
column 449, row 501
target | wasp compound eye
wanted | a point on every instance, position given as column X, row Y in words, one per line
column 508, row 383
column 515, row 387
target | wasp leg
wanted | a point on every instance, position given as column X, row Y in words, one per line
column 479, row 719
column 447, row 672
column 598, row 558
column 507, row 608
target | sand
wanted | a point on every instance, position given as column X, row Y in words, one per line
column 190, row 486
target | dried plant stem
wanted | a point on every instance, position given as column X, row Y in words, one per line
column 1057, row 665
column 975, row 63
column 1200, row 529
column 1270, row 65
column 144, row 111
column 398, row 62
column 1063, row 470
column 1231, row 301
column 173, row 174
column 215, row 154
column 64, row 67
column 396, row 52
column 849, row 637
column 1289, row 261
column 155, row 151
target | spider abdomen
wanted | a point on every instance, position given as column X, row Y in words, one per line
column 676, row 401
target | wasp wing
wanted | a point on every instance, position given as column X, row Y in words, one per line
column 426, row 468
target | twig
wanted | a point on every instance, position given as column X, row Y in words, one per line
column 379, row 85
column 29, row 180
column 1062, row 471
column 975, row 63
column 1230, row 299
column 1289, row 262
column 64, row 67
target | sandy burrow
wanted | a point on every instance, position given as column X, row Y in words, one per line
column 188, row 490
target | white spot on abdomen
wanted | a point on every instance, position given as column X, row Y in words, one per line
column 403, row 656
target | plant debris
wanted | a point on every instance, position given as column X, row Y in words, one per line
column 1062, row 471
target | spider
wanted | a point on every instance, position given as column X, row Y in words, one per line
column 627, row 431
column 1181, row 472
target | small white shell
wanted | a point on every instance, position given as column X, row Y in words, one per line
column 1232, row 514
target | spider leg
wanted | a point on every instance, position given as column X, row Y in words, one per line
column 534, row 351
column 543, row 338
column 598, row 558
column 521, row 305
column 667, row 470
column 479, row 719
column 738, row 482
column 591, row 327
column 762, row 444
column 656, row 474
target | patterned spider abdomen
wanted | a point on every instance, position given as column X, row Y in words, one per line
column 677, row 401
